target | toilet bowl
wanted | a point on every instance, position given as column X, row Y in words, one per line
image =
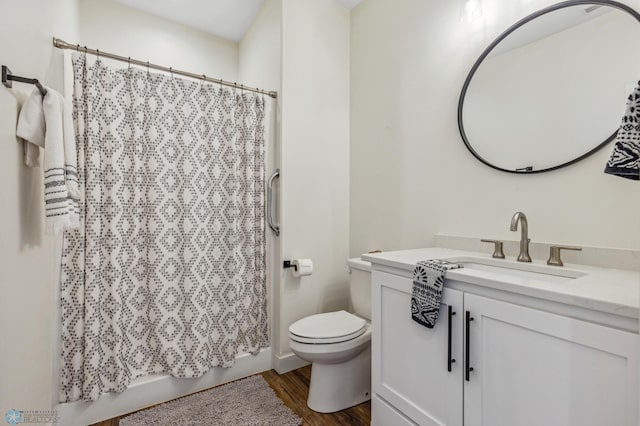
column 338, row 345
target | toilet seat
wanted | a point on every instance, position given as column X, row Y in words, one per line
column 331, row 327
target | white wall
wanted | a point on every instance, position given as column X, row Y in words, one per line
column 301, row 49
column 115, row 28
column 314, row 158
column 412, row 177
column 260, row 50
column 27, row 264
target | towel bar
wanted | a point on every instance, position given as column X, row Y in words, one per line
column 8, row 78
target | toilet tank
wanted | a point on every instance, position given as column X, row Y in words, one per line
column 360, row 286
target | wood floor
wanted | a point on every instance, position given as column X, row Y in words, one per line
column 293, row 389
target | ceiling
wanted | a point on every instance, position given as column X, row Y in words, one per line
column 229, row 19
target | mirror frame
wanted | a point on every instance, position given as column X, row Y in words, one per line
column 512, row 28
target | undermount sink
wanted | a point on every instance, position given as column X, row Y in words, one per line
column 519, row 270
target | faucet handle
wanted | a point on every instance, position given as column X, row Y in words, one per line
column 498, row 252
column 554, row 254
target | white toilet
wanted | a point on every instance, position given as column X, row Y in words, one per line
column 338, row 344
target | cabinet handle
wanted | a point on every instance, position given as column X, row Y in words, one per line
column 449, row 359
column 468, row 319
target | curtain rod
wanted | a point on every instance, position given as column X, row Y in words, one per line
column 61, row 44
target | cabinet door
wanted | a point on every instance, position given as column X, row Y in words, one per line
column 535, row 368
column 383, row 414
column 410, row 368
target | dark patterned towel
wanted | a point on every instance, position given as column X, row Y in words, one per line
column 428, row 280
column 625, row 158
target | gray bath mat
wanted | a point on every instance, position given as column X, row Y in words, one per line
column 247, row 402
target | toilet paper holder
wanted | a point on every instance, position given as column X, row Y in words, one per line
column 301, row 267
column 287, row 264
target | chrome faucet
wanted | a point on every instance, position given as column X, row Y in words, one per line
column 524, row 235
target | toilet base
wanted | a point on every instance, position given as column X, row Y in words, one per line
column 335, row 387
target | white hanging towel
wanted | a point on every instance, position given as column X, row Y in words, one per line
column 47, row 124
column 31, row 128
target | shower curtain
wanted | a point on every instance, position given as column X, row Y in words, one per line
column 167, row 271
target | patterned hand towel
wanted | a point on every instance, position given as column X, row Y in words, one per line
column 428, row 280
column 625, row 159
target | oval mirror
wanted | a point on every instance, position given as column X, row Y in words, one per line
column 551, row 90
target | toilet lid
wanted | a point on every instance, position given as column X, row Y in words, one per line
column 331, row 327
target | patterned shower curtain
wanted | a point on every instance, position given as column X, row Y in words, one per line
column 167, row 271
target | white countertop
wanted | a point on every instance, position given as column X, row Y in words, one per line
column 613, row 291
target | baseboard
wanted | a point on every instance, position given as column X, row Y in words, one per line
column 287, row 362
column 158, row 388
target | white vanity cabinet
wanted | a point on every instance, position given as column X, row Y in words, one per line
column 527, row 367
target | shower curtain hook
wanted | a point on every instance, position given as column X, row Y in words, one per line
column 85, row 50
column 98, row 54
column 171, row 72
column 129, row 61
column 147, row 67
column 77, row 48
